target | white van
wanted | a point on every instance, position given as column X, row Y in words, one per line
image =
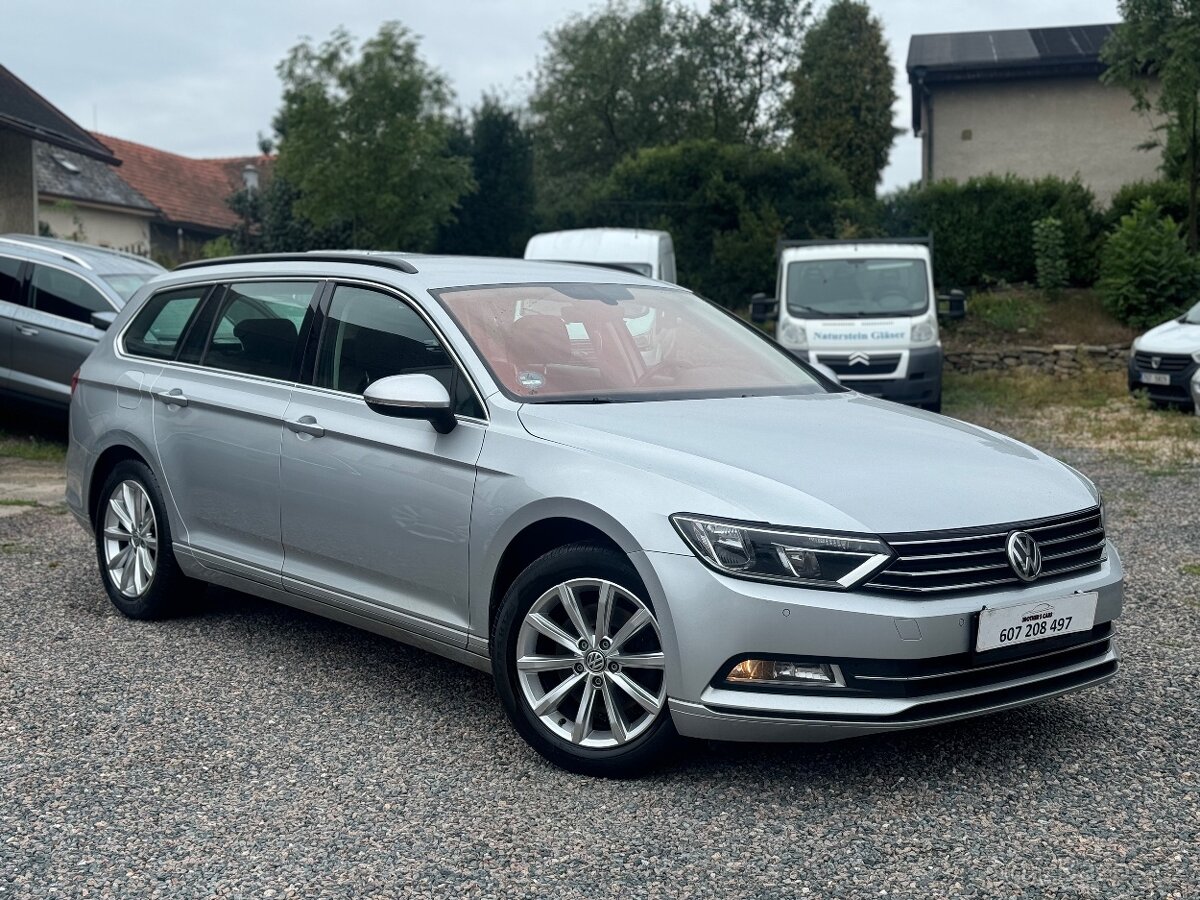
column 648, row 253
column 865, row 309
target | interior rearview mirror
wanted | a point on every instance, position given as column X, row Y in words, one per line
column 412, row 397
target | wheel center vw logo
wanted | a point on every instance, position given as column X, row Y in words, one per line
column 1024, row 555
column 594, row 660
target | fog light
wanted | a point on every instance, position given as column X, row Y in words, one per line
column 782, row 673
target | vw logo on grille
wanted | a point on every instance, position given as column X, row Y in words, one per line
column 1024, row 555
column 858, row 358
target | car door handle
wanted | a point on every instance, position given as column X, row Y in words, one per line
column 173, row 397
column 27, row 331
column 305, row 425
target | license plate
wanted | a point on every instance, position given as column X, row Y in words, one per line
column 1160, row 378
column 1008, row 626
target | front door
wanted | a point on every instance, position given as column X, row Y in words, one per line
column 218, row 424
column 376, row 510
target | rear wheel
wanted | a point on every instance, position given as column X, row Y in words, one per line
column 579, row 663
column 133, row 546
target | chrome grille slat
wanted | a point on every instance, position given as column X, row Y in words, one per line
column 964, row 560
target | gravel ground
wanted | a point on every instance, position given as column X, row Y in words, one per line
column 255, row 751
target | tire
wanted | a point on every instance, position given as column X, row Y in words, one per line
column 623, row 744
column 138, row 590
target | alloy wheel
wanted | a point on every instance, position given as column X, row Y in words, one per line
column 591, row 664
column 130, row 539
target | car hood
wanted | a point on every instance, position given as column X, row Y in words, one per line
column 839, row 461
column 1171, row 337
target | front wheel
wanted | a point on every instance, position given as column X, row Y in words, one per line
column 579, row 663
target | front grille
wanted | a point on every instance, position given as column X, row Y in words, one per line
column 1167, row 362
column 876, row 364
column 969, row 559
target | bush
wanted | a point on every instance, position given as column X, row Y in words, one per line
column 725, row 205
column 1146, row 273
column 983, row 228
column 1008, row 311
column 1169, row 196
column 1048, row 255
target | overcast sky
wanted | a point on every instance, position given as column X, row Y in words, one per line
column 199, row 78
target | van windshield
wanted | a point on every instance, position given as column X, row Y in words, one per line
column 603, row 343
column 857, row 288
column 1192, row 316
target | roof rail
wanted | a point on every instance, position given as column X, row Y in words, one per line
column 364, row 257
column 52, row 251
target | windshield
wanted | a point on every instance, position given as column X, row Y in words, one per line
column 612, row 342
column 127, row 283
column 857, row 288
column 1192, row 316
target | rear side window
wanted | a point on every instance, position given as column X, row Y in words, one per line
column 10, row 285
column 63, row 294
column 157, row 330
column 370, row 335
column 257, row 331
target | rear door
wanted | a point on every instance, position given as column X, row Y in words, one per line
column 376, row 510
column 52, row 335
column 11, row 298
column 218, row 417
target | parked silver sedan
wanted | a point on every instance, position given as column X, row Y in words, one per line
column 476, row 457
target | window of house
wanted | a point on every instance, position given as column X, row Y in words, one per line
column 371, row 335
column 10, row 284
column 157, row 329
column 258, row 328
column 63, row 294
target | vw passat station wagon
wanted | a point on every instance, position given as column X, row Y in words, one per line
column 643, row 517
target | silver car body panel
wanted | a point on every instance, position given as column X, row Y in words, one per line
column 387, row 525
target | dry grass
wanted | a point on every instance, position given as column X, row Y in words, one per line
column 1026, row 317
column 1090, row 411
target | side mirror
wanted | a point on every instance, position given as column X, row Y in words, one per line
column 762, row 308
column 412, row 397
column 956, row 304
column 102, row 321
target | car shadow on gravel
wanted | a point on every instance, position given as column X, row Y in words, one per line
column 1043, row 738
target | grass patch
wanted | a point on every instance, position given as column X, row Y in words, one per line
column 1026, row 318
column 31, row 447
column 1190, row 569
column 13, row 501
column 1091, row 410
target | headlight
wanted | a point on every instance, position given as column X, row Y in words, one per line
column 794, row 335
column 765, row 553
column 923, row 333
column 1196, row 356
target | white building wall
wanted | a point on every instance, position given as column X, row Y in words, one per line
column 1037, row 127
column 91, row 225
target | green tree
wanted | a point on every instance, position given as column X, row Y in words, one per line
column 726, row 205
column 1146, row 272
column 362, row 138
column 657, row 72
column 270, row 223
column 497, row 218
column 843, row 92
column 1155, row 54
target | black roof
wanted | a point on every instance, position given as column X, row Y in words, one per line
column 24, row 110
column 997, row 55
column 64, row 173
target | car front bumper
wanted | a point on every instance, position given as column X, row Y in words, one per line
column 909, row 662
column 918, row 383
column 1178, row 390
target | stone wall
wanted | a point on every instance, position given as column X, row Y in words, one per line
column 1061, row 359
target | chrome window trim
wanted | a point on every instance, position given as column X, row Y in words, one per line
column 49, row 265
column 121, row 353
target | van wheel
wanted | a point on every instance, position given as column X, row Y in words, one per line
column 133, row 546
column 579, row 663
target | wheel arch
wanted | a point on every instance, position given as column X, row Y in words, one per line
column 119, row 448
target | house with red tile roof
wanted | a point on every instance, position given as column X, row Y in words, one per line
column 190, row 194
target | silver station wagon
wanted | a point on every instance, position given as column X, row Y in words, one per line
column 642, row 516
